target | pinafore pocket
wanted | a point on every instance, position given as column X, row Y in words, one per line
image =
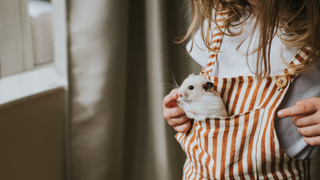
column 215, row 147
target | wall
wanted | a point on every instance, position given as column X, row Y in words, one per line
column 32, row 138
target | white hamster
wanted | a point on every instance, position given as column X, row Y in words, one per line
column 198, row 99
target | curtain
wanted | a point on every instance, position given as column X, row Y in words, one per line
column 121, row 55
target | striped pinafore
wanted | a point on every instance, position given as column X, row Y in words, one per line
column 243, row 145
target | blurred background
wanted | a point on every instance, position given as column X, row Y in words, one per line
column 81, row 89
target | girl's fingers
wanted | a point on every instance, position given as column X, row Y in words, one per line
column 305, row 106
column 309, row 131
column 169, row 100
column 178, row 121
column 174, row 115
column 183, row 128
column 296, row 110
column 174, row 112
column 170, row 109
column 306, row 120
column 313, row 141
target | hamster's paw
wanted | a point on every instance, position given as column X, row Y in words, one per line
column 191, row 114
column 200, row 118
column 195, row 116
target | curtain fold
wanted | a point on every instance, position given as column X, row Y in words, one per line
column 120, row 57
column 97, row 87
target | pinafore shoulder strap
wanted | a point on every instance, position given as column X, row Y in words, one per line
column 216, row 39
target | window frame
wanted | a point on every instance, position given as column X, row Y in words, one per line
column 16, row 53
column 21, row 68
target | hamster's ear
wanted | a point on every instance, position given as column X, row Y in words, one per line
column 208, row 85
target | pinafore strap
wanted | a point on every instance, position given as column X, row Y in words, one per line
column 216, row 40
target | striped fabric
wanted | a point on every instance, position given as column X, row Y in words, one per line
column 298, row 59
column 244, row 145
column 216, row 40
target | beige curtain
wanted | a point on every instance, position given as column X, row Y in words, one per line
column 120, row 57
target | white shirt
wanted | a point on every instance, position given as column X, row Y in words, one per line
column 233, row 62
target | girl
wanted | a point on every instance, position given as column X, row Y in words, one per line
column 256, row 50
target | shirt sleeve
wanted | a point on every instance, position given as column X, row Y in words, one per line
column 304, row 86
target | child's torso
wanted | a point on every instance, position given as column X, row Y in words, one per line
column 244, row 145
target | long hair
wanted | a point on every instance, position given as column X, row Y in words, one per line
column 298, row 21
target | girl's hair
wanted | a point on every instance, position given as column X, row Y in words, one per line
column 298, row 20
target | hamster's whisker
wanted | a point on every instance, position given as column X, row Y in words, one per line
column 171, row 85
column 174, row 80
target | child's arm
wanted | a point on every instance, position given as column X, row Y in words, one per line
column 174, row 115
column 306, row 115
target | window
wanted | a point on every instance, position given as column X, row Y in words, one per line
column 33, row 47
column 15, row 41
column 40, row 13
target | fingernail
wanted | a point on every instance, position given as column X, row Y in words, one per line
column 280, row 113
column 175, row 95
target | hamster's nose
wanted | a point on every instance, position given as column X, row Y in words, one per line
column 183, row 94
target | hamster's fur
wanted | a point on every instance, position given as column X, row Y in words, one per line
column 198, row 99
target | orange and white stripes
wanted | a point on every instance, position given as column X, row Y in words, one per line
column 216, row 39
column 300, row 57
column 243, row 145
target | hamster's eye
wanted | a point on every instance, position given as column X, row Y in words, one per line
column 191, row 87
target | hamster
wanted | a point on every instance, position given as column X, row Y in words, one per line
column 198, row 99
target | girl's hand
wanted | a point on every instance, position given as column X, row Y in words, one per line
column 174, row 115
column 306, row 116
